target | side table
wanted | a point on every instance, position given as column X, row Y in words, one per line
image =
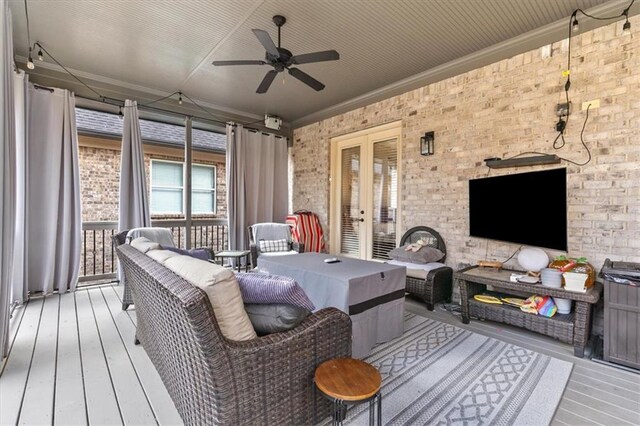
column 234, row 254
column 349, row 381
column 573, row 328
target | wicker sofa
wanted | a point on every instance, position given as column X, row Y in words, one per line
column 213, row 380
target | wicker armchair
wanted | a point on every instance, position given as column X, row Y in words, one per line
column 271, row 231
column 215, row 381
column 438, row 284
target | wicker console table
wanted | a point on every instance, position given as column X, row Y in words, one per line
column 573, row 328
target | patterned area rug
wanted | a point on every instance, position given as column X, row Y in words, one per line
column 438, row 374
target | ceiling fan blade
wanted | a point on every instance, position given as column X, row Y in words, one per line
column 241, row 62
column 266, row 42
column 266, row 81
column 307, row 58
column 306, row 79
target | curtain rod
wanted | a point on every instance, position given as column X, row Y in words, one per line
column 105, row 100
column 179, row 114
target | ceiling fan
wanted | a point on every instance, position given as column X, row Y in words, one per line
column 280, row 59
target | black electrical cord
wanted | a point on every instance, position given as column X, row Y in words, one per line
column 583, row 142
column 514, row 253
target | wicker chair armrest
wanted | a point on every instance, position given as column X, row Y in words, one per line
column 277, row 370
column 441, row 275
column 297, row 246
column 254, row 254
column 327, row 323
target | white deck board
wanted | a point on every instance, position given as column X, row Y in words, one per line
column 102, row 407
column 131, row 397
column 101, row 373
column 158, row 396
column 37, row 406
column 16, row 371
column 70, row 405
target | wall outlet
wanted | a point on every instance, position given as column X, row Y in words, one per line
column 595, row 103
column 562, row 110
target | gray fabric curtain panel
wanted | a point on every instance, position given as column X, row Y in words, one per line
column 7, row 174
column 257, row 188
column 53, row 216
column 134, row 200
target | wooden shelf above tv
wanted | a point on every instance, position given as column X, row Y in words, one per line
column 524, row 161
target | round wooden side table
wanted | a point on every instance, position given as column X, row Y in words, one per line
column 348, row 381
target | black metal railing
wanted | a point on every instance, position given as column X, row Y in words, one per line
column 98, row 260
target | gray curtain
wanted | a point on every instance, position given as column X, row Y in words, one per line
column 53, row 216
column 7, row 174
column 19, row 291
column 257, row 188
column 134, row 201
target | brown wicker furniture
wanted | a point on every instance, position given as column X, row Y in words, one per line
column 573, row 328
column 127, row 298
column 438, row 284
column 350, row 381
column 215, row 381
column 273, row 231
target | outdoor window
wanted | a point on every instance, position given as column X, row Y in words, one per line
column 167, row 188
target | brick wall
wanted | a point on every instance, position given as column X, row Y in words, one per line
column 100, row 180
column 501, row 110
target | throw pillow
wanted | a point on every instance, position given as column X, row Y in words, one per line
column 267, row 246
column 198, row 253
column 221, row 287
column 143, row 244
column 424, row 255
column 266, row 289
column 274, row 318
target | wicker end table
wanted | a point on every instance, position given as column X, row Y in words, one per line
column 573, row 328
column 349, row 381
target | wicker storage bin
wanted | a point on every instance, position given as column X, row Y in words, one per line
column 621, row 314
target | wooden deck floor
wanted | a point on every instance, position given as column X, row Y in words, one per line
column 73, row 361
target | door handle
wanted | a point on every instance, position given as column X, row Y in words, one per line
column 361, row 220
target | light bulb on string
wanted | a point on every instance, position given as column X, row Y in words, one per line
column 179, row 98
column 40, row 55
column 575, row 25
column 30, row 63
column 120, row 113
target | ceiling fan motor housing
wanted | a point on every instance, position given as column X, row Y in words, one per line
column 281, row 61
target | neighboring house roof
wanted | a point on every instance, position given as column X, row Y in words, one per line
column 90, row 121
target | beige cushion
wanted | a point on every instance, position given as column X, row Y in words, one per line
column 144, row 244
column 161, row 255
column 223, row 291
column 417, row 273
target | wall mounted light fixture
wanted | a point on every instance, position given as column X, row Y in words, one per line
column 426, row 144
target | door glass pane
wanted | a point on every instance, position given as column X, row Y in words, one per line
column 385, row 197
column 350, row 229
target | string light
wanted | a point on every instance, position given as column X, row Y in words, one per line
column 575, row 25
column 120, row 113
column 40, row 55
column 179, row 98
column 627, row 24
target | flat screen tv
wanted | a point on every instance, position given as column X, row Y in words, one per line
column 524, row 208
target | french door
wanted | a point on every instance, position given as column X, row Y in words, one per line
column 365, row 192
